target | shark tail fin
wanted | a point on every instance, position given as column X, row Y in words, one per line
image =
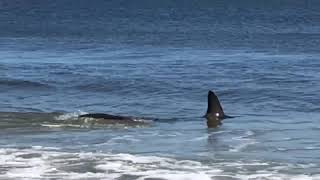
column 214, row 106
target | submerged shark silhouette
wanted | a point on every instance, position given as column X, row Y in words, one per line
column 214, row 115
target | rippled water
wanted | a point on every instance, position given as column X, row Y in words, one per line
column 157, row 61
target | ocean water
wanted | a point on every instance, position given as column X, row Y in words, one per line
column 157, row 60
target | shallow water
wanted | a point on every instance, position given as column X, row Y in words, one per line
column 157, row 61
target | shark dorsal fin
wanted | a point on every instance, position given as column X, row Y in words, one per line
column 214, row 106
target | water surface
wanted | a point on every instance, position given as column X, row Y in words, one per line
column 158, row 60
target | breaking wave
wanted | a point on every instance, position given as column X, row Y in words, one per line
column 43, row 163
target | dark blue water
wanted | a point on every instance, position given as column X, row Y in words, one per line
column 158, row 59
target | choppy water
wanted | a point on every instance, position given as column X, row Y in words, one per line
column 59, row 59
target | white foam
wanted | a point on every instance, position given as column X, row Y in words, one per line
column 281, row 149
column 274, row 176
column 245, row 136
column 201, row 138
column 62, row 125
column 46, row 163
column 44, row 148
column 36, row 169
column 178, row 176
column 70, row 116
column 242, row 146
column 123, row 138
column 52, row 125
column 244, row 141
column 311, row 148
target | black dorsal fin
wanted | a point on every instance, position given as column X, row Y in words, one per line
column 214, row 106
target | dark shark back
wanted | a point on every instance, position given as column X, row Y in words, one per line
column 214, row 107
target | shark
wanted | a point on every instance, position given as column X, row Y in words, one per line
column 214, row 115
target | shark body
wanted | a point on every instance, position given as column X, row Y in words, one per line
column 214, row 115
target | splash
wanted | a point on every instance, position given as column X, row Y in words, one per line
column 43, row 163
